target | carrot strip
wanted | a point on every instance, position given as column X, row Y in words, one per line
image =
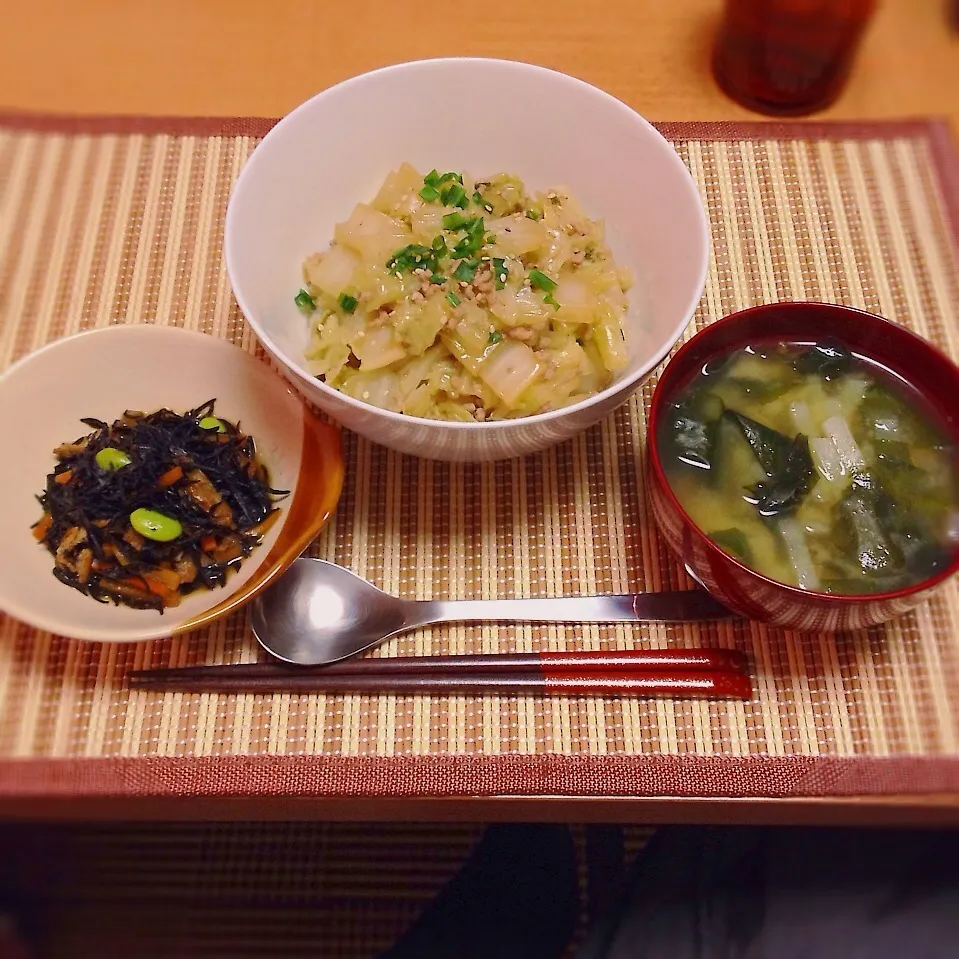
column 64, row 477
column 264, row 525
column 42, row 527
column 149, row 584
column 171, row 476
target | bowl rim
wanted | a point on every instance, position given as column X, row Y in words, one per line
column 520, row 66
column 672, row 372
column 222, row 602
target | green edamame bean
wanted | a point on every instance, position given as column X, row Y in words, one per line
column 153, row 525
column 110, row 458
column 211, row 423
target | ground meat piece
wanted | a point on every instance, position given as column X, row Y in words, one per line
column 132, row 538
column 520, row 333
column 72, row 538
column 65, row 450
column 84, row 564
column 139, row 597
column 202, row 491
column 222, row 515
column 230, row 548
column 185, row 568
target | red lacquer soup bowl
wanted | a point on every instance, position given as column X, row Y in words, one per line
column 742, row 589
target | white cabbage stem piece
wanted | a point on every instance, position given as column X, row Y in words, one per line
column 802, row 418
column 794, row 536
column 850, row 456
column 826, row 458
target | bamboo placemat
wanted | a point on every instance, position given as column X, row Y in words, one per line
column 121, row 221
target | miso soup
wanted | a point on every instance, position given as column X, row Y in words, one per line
column 814, row 467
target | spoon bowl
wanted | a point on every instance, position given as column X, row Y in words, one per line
column 320, row 612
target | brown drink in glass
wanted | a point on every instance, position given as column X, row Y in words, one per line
column 788, row 56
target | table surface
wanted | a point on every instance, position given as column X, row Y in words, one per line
column 238, row 58
column 243, row 58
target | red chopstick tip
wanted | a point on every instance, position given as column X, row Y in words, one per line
column 734, row 685
column 716, row 684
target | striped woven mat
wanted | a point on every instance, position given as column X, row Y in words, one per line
column 121, row 221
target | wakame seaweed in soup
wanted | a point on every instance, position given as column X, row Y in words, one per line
column 815, row 468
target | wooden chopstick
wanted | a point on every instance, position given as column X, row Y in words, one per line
column 717, row 684
column 547, row 663
column 692, row 672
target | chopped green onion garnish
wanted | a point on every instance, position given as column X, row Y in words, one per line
column 439, row 246
column 437, row 279
column 541, row 281
column 455, row 195
column 490, row 237
column 466, row 248
column 454, row 221
column 466, row 271
column 433, row 178
column 495, row 336
column 412, row 257
column 430, row 193
column 446, row 177
column 304, row 301
column 471, row 244
column 551, row 300
column 479, row 201
column 347, row 302
column 500, row 273
column 453, row 298
column 534, row 213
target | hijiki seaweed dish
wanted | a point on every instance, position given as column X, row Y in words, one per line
column 155, row 506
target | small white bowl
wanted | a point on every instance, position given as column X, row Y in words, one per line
column 484, row 116
column 103, row 372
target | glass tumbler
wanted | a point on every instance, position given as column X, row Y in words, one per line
column 788, row 57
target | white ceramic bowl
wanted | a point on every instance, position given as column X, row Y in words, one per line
column 484, row 116
column 103, row 372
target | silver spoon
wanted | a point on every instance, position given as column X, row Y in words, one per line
column 319, row 612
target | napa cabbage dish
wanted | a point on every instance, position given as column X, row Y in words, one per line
column 461, row 299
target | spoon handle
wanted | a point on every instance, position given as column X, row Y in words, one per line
column 670, row 607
